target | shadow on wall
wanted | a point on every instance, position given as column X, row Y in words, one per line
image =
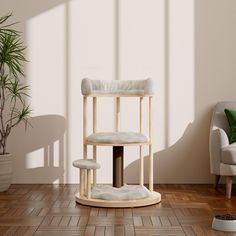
column 187, row 159
column 214, row 81
column 38, row 152
column 45, row 136
column 21, row 12
column 36, row 7
column 182, row 160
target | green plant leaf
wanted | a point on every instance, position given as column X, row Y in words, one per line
column 13, row 94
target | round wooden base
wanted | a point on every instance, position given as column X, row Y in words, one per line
column 153, row 199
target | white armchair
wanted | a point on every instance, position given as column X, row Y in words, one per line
column 222, row 154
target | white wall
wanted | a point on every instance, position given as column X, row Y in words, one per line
column 186, row 46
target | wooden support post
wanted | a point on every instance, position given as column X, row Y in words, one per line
column 88, row 183
column 94, row 131
column 141, row 147
column 150, row 147
column 82, row 182
column 141, row 180
column 150, row 168
column 117, row 114
column 94, row 173
column 85, row 127
column 85, row 148
column 118, row 164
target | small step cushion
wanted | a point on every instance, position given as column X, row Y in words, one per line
column 86, row 164
column 117, row 138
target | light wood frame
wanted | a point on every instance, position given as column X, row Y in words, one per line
column 117, row 129
column 86, row 175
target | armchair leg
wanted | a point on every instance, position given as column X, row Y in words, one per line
column 229, row 180
column 217, row 179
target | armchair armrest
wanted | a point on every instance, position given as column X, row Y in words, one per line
column 218, row 139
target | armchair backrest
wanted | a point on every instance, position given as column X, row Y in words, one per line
column 219, row 133
column 219, row 119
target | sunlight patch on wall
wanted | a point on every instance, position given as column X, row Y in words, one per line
column 56, row 154
column 141, row 57
column 57, row 181
column 180, row 68
column 46, row 53
column 35, row 159
column 91, row 54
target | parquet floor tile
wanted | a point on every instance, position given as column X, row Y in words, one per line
column 51, row 210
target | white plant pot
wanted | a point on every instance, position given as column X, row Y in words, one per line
column 5, row 171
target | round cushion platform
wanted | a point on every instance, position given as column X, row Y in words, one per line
column 125, row 192
column 121, row 87
column 117, row 138
column 153, row 198
column 86, row 164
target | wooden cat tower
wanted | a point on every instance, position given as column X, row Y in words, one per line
column 119, row 195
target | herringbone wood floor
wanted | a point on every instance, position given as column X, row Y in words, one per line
column 51, row 210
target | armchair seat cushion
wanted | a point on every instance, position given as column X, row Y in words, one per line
column 229, row 154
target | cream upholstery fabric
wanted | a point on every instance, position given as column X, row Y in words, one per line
column 228, row 154
column 227, row 170
column 222, row 154
column 124, row 87
column 117, row 137
column 86, row 164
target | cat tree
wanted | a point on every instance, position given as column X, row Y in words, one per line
column 119, row 195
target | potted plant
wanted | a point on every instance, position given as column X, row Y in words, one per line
column 13, row 105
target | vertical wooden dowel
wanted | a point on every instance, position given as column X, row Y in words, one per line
column 150, row 168
column 141, row 147
column 141, row 166
column 85, row 148
column 117, row 114
column 94, row 114
column 150, row 147
column 94, row 131
column 89, row 184
column 141, row 115
column 81, row 183
column 94, row 173
column 85, row 127
column 150, row 119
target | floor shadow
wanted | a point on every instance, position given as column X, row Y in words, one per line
column 47, row 136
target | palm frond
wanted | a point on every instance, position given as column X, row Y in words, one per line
column 13, row 105
column 12, row 53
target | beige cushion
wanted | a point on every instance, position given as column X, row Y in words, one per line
column 228, row 155
column 86, row 164
column 123, row 87
column 117, row 138
column 126, row 192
